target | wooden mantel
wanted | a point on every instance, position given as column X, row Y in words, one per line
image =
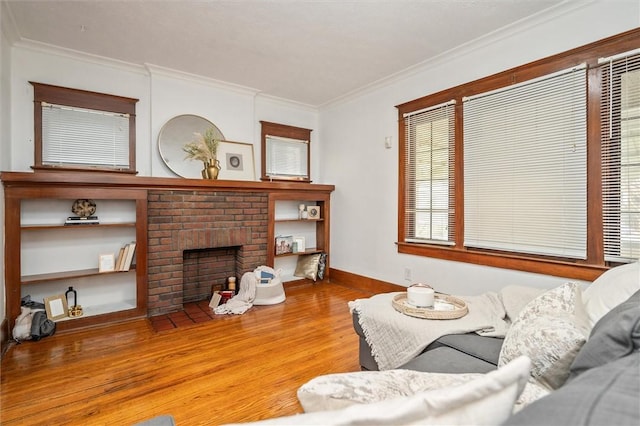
column 113, row 180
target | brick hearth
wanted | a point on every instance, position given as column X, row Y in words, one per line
column 199, row 220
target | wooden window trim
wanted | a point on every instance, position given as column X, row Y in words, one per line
column 81, row 99
column 285, row 131
column 594, row 264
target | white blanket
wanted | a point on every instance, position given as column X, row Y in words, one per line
column 396, row 338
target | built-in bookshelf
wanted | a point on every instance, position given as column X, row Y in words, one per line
column 286, row 221
column 53, row 253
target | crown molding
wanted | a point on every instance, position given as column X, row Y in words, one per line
column 493, row 37
column 77, row 55
column 195, row 78
column 287, row 102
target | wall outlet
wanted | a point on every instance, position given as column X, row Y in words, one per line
column 407, row 274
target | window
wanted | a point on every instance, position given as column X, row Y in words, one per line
column 429, row 158
column 79, row 130
column 285, row 152
column 525, row 167
column 542, row 165
column 620, row 116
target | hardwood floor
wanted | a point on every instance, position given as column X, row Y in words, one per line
column 231, row 369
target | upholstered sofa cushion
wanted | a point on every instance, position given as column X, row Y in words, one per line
column 610, row 289
column 614, row 336
column 605, row 395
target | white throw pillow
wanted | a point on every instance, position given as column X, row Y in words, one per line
column 336, row 391
column 550, row 330
column 487, row 400
column 610, row 289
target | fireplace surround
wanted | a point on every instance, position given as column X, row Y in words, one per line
column 196, row 222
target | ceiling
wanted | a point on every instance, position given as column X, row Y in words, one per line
column 309, row 51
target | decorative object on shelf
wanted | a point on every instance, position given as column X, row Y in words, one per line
column 237, row 161
column 84, row 208
column 444, row 307
column 298, row 244
column 284, row 244
column 204, row 148
column 74, row 310
column 301, row 208
column 106, row 263
column 313, row 212
column 172, row 138
column 307, row 266
column 56, row 307
column 211, row 170
column 304, row 214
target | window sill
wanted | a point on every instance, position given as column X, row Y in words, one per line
column 560, row 268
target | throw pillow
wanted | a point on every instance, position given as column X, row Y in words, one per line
column 488, row 399
column 307, row 266
column 610, row 289
column 550, row 330
column 616, row 335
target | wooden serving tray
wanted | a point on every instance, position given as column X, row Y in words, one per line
column 444, row 307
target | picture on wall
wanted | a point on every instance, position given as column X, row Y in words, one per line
column 236, row 161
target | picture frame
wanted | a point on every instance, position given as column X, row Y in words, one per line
column 313, row 212
column 284, row 245
column 106, row 263
column 299, row 244
column 56, row 307
column 236, row 161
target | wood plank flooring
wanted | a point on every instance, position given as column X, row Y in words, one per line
column 231, row 369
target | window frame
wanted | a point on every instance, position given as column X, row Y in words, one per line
column 594, row 264
column 81, row 99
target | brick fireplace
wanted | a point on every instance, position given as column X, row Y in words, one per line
column 197, row 239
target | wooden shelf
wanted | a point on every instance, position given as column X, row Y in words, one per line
column 298, row 220
column 300, row 253
column 57, row 276
column 84, row 226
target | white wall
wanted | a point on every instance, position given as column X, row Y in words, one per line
column 364, row 205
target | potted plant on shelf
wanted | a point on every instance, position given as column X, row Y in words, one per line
column 204, row 148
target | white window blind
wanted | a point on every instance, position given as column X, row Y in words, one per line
column 525, row 167
column 620, row 150
column 286, row 157
column 429, row 175
column 84, row 137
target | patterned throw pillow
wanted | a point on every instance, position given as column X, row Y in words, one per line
column 550, row 330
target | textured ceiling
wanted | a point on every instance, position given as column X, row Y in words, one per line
column 308, row 51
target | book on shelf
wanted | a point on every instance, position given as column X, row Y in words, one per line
column 131, row 249
column 77, row 220
column 125, row 257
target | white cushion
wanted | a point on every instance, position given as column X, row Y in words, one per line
column 550, row 330
column 610, row 289
column 487, row 400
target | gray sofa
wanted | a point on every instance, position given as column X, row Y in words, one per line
column 604, row 382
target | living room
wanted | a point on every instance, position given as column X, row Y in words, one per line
column 348, row 137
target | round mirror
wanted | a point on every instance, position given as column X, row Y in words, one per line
column 174, row 135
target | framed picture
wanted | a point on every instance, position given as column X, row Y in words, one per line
column 56, row 307
column 236, row 161
column 299, row 244
column 106, row 263
column 313, row 212
column 284, row 245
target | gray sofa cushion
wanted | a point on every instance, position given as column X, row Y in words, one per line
column 485, row 348
column 605, row 395
column 444, row 359
column 614, row 336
